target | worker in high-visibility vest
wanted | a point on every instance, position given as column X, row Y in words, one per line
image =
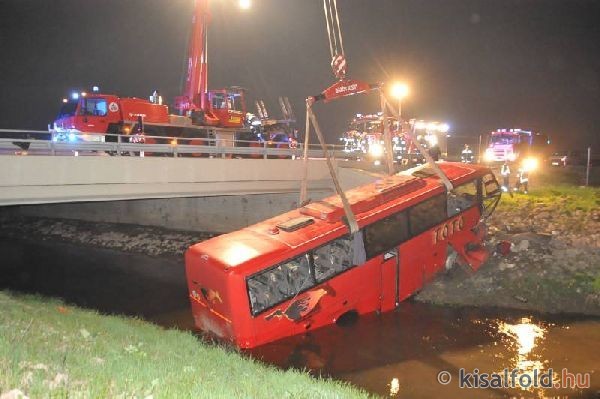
column 522, row 180
column 505, row 172
column 466, row 156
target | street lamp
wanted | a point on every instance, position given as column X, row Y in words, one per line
column 244, row 4
column 400, row 91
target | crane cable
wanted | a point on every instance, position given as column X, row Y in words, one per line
column 334, row 34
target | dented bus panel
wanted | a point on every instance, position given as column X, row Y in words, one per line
column 303, row 270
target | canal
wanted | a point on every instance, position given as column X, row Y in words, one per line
column 403, row 354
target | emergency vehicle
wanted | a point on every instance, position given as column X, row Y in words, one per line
column 202, row 113
column 515, row 145
column 303, row 269
column 364, row 140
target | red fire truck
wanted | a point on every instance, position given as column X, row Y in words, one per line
column 303, row 270
column 364, row 139
column 89, row 116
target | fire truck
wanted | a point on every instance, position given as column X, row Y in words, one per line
column 514, row 145
column 364, row 138
column 201, row 113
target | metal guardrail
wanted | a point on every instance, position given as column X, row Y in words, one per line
column 35, row 142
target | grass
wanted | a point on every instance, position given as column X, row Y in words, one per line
column 570, row 198
column 49, row 349
column 561, row 187
column 596, row 284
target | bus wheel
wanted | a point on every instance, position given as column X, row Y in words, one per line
column 198, row 142
column 347, row 319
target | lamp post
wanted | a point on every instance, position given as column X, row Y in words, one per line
column 400, row 91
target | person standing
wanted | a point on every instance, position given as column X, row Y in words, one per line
column 466, row 155
column 522, row 180
column 505, row 172
column 435, row 152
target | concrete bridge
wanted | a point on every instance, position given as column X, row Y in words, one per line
column 204, row 194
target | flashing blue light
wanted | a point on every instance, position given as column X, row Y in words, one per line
column 75, row 96
column 72, row 137
column 95, row 89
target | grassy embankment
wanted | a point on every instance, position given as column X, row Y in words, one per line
column 571, row 198
column 50, row 349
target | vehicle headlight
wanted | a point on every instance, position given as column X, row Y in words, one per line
column 530, row 164
column 376, row 150
column 431, row 139
column 489, row 155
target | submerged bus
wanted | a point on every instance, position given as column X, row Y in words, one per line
column 303, row 270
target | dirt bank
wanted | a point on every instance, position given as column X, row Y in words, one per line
column 148, row 240
column 554, row 262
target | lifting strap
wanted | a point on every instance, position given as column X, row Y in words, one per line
column 303, row 188
column 310, row 117
column 387, row 137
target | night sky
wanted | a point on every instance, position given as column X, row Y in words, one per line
column 478, row 65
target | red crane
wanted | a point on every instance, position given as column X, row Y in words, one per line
column 224, row 107
column 199, row 108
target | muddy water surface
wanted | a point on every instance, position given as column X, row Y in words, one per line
column 400, row 354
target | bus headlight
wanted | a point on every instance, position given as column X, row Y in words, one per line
column 530, row 164
column 376, row 150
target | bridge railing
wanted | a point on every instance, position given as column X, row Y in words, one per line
column 35, row 142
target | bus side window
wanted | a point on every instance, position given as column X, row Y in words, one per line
column 462, row 198
column 333, row 258
column 427, row 214
column 279, row 283
column 385, row 234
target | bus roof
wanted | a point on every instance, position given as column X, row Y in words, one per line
column 283, row 237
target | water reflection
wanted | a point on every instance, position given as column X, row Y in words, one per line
column 523, row 338
column 400, row 354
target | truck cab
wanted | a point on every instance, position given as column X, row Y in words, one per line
column 227, row 107
column 88, row 117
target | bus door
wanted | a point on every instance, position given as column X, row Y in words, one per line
column 390, row 279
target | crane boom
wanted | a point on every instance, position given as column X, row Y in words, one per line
column 194, row 95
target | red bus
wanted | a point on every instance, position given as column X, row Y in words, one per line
column 302, row 270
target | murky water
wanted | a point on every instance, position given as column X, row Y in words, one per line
column 398, row 354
